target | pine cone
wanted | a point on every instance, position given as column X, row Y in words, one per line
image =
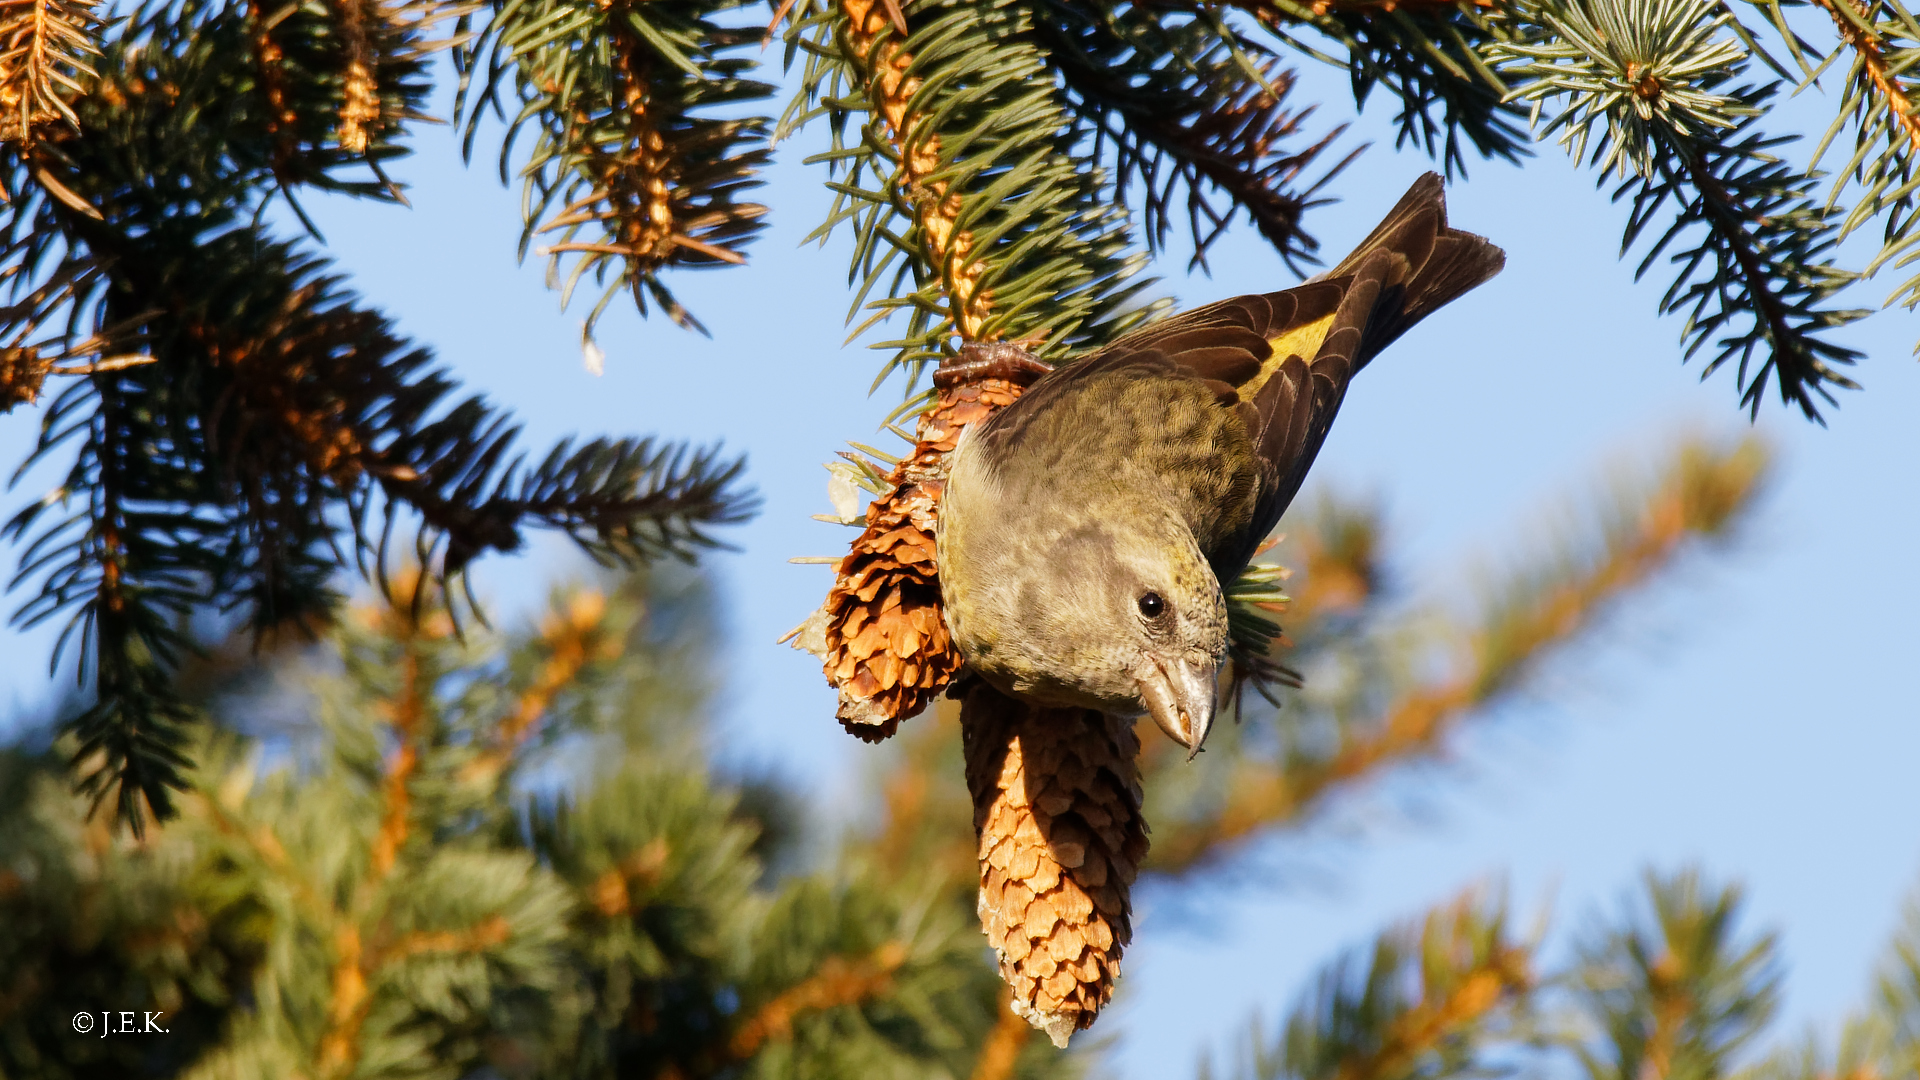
column 1056, row 808
column 887, row 647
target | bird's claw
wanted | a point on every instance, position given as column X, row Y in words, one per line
column 990, row 360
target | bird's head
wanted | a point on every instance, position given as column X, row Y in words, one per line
column 1164, row 612
column 1126, row 617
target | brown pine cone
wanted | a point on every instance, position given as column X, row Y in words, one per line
column 887, row 648
column 1056, row 808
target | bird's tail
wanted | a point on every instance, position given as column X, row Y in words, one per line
column 1426, row 264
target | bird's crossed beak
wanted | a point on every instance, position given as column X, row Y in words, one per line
column 1179, row 694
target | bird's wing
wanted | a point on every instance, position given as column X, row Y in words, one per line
column 1283, row 359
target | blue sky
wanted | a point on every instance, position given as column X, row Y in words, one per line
column 1757, row 714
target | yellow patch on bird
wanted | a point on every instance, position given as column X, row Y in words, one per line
column 1302, row 340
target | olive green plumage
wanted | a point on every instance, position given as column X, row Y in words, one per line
column 1087, row 528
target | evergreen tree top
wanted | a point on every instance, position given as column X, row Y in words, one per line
column 240, row 425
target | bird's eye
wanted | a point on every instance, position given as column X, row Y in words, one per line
column 1151, row 605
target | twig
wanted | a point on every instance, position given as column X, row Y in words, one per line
column 838, row 981
column 1873, row 61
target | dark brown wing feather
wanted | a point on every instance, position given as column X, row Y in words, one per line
column 1408, row 267
column 1442, row 264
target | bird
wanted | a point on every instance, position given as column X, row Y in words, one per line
column 1086, row 530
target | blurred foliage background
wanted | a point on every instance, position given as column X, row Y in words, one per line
column 409, row 853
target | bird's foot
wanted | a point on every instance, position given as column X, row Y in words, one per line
column 990, row 360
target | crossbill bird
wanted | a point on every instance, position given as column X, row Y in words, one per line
column 1087, row 529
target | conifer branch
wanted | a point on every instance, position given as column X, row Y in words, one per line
column 274, row 407
column 570, row 639
column 838, row 981
column 487, row 933
column 360, row 93
column 23, row 371
column 627, row 167
column 304, row 402
column 1886, row 131
column 263, row 844
column 873, row 47
column 1187, row 103
column 334, row 82
column 1428, row 999
column 1871, row 52
column 1895, row 1007
column 1485, row 972
column 1652, row 83
column 1675, row 991
column 1429, row 56
column 281, row 120
column 25, row 364
column 1340, row 557
column 404, row 713
column 1324, row 7
column 405, row 716
column 347, row 1002
column 611, row 894
column 45, row 46
column 976, row 211
column 1751, row 278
